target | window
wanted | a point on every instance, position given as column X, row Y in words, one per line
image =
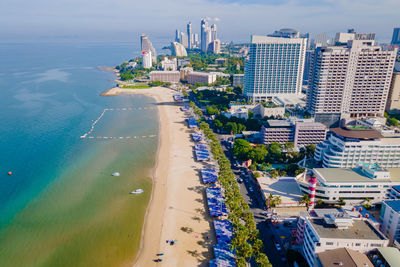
column 329, row 243
column 358, row 244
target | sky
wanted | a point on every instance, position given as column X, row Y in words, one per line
column 237, row 20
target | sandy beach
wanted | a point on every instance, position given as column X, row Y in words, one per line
column 177, row 209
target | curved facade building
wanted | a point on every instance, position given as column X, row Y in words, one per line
column 178, row 50
column 346, row 148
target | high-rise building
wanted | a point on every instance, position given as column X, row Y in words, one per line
column 214, row 47
column 190, row 35
column 146, row 59
column 184, row 40
column 396, row 36
column 205, row 35
column 321, row 40
column 285, row 33
column 146, row 45
column 274, row 68
column 196, row 39
column 342, row 38
column 352, row 80
column 214, row 32
column 178, row 49
column 177, row 36
column 393, row 102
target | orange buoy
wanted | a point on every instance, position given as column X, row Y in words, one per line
column 9, row 173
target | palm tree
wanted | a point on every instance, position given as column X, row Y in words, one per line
column 277, row 200
column 305, row 199
column 270, row 200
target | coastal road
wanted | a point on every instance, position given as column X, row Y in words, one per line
column 257, row 206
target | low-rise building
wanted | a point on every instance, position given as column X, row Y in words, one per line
column 300, row 132
column 390, row 220
column 385, row 257
column 165, row 76
column 322, row 230
column 352, row 185
column 347, row 147
column 169, row 64
column 201, row 77
column 342, row 257
column 221, row 61
column 238, row 80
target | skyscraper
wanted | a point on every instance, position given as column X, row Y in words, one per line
column 184, row 40
column 177, row 35
column 321, row 39
column 350, row 81
column 214, row 32
column 190, row 35
column 396, row 36
column 203, row 34
column 214, row 47
column 146, row 45
column 275, row 67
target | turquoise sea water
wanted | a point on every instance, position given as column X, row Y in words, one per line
column 61, row 206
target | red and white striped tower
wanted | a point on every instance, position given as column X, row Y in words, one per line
column 312, row 185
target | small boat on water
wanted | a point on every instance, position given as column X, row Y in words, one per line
column 137, row 191
column 115, row 174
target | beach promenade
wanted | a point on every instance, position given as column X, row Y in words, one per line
column 177, row 210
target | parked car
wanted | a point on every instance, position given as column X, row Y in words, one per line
column 240, row 180
column 278, row 247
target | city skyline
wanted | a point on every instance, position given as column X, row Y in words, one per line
column 45, row 20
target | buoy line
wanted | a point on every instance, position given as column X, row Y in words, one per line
column 122, row 137
column 113, row 137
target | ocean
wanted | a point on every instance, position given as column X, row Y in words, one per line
column 61, row 206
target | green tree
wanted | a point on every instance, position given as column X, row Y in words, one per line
column 218, row 123
column 231, row 127
column 275, row 150
column 259, row 153
column 310, row 149
column 392, row 122
column 241, row 149
column 262, row 260
column 289, row 147
column 257, row 175
column 305, row 199
column 251, row 114
column 277, row 200
column 274, row 173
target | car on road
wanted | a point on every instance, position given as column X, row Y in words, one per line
column 278, row 247
column 251, row 189
column 283, row 259
column 240, row 180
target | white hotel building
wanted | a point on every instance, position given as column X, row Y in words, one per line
column 346, row 148
column 327, row 229
column 390, row 220
column 352, row 185
column 274, row 68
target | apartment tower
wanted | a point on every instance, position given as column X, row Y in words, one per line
column 351, row 81
column 274, row 68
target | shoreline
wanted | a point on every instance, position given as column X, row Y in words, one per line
column 179, row 213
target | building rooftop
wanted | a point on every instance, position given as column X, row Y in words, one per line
column 394, row 204
column 362, row 134
column 279, row 123
column 359, row 230
column 344, row 257
column 286, row 188
column 343, row 175
column 391, row 255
